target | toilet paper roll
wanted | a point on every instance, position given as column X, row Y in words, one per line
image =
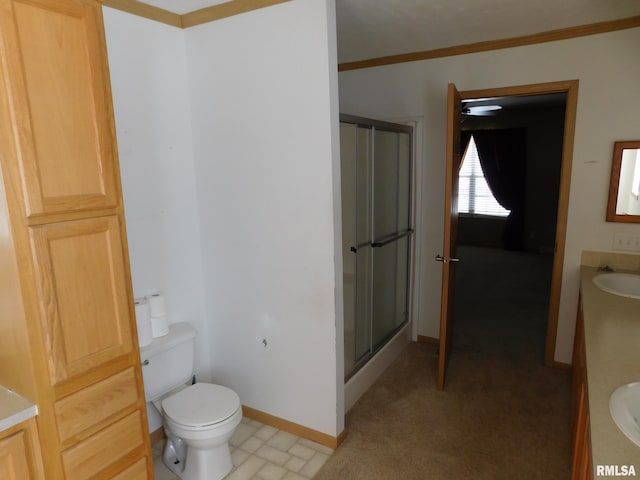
column 157, row 305
column 143, row 322
column 159, row 326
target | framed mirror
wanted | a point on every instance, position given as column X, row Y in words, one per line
column 624, row 189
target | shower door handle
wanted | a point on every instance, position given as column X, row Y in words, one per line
column 391, row 238
column 440, row 258
column 356, row 248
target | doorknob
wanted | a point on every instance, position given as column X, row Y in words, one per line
column 440, row 258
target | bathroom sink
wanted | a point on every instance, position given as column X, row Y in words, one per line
column 624, row 405
column 623, row 284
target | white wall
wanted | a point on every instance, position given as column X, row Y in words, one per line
column 608, row 69
column 241, row 235
column 153, row 123
column 264, row 115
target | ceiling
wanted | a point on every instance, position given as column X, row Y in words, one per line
column 377, row 28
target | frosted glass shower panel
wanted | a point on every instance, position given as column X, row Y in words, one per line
column 391, row 183
column 363, row 186
column 348, row 135
column 385, row 184
column 363, row 303
column 404, row 181
column 363, row 242
column 356, row 173
column 390, row 269
column 401, row 313
column 376, row 232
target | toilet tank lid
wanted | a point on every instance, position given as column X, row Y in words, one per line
column 178, row 333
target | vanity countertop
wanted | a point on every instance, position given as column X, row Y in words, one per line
column 14, row 409
column 612, row 346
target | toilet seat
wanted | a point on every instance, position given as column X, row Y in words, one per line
column 201, row 405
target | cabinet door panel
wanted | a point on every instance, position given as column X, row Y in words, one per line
column 67, row 142
column 13, row 458
column 95, row 404
column 81, row 276
column 137, row 471
column 105, row 448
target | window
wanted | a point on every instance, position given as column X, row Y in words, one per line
column 635, row 186
column 474, row 195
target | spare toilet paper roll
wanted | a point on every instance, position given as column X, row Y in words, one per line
column 159, row 326
column 157, row 305
column 143, row 322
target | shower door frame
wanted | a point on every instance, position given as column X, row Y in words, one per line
column 378, row 125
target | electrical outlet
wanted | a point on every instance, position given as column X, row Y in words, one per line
column 626, row 242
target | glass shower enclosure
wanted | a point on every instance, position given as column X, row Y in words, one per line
column 376, row 171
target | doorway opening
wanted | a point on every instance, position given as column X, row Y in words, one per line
column 509, row 184
column 536, row 224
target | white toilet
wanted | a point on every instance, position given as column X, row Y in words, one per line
column 199, row 419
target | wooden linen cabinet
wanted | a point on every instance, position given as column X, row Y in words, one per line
column 581, row 440
column 68, row 326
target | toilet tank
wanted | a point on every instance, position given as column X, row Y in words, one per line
column 167, row 362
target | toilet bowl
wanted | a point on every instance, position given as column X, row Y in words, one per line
column 198, row 419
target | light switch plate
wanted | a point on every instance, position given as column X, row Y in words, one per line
column 626, row 242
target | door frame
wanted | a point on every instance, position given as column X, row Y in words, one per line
column 570, row 87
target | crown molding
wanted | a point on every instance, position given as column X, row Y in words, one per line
column 147, row 11
column 549, row 36
column 191, row 19
column 224, row 10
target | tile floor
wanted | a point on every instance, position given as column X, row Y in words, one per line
column 261, row 452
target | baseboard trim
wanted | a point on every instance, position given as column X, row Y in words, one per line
column 280, row 424
column 425, row 339
column 294, row 428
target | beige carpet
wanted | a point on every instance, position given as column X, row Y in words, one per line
column 503, row 415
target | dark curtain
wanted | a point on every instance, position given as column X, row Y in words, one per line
column 465, row 137
column 502, row 155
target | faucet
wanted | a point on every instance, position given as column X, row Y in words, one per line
column 605, row 268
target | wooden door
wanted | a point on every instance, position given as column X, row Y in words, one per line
column 80, row 273
column 61, row 104
column 448, row 257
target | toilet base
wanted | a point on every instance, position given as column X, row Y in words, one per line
column 174, row 455
column 202, row 454
column 210, row 464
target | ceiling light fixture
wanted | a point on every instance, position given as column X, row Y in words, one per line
column 481, row 110
column 468, row 100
